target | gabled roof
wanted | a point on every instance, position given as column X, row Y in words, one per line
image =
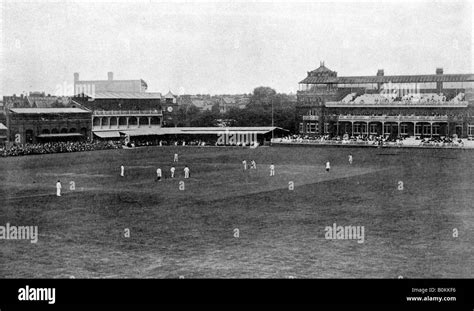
column 169, row 95
column 322, row 68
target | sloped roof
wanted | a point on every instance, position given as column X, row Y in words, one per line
column 124, row 95
column 197, row 130
column 387, row 79
column 48, row 110
column 3, row 127
column 169, row 95
column 322, row 68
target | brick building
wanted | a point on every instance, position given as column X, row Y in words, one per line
column 33, row 125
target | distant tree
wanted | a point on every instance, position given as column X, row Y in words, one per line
column 262, row 96
column 57, row 104
column 205, row 119
column 215, row 108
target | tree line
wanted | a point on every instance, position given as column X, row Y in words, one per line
column 258, row 112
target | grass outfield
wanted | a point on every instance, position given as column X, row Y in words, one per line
column 190, row 232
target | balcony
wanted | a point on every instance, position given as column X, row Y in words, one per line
column 127, row 113
column 399, row 104
column 385, row 118
column 310, row 118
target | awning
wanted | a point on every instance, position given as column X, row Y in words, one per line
column 108, row 134
column 59, row 135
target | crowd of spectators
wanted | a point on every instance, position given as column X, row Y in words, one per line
column 57, row 147
column 379, row 140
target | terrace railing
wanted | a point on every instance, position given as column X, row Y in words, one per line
column 413, row 104
column 127, row 112
column 400, row 118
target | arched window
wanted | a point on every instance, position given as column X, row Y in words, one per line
column 64, row 130
column 96, row 122
column 72, row 130
column 132, row 121
column 54, row 131
column 45, row 131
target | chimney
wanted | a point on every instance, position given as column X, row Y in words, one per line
column 110, row 75
column 380, row 73
column 439, row 71
column 76, row 76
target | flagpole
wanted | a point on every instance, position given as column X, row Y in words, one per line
column 272, row 119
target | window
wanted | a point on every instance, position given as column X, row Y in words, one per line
column 301, row 127
column 387, row 128
column 312, row 127
column 436, row 129
column 418, row 129
column 453, row 85
column 471, row 130
column 373, row 128
column 426, row 129
column 404, row 129
column 307, row 127
column 326, row 128
column 357, row 128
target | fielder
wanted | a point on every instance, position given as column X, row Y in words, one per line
column 186, row 172
column 328, row 166
column 172, row 169
column 244, row 163
column 253, row 165
column 158, row 174
column 58, row 188
column 175, row 159
column 272, row 170
column 122, row 170
column 350, row 158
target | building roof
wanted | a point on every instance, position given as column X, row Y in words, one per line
column 107, row 134
column 60, row 135
column 124, row 95
column 187, row 131
column 46, row 101
column 392, row 79
column 48, row 110
column 169, row 95
column 3, row 127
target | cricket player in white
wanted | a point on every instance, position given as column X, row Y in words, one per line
column 244, row 164
column 328, row 166
column 172, row 169
column 272, row 170
column 175, row 157
column 122, row 170
column 158, row 174
column 58, row 188
column 186, row 172
column 350, row 158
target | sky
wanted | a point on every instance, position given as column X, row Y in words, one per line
column 196, row 47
